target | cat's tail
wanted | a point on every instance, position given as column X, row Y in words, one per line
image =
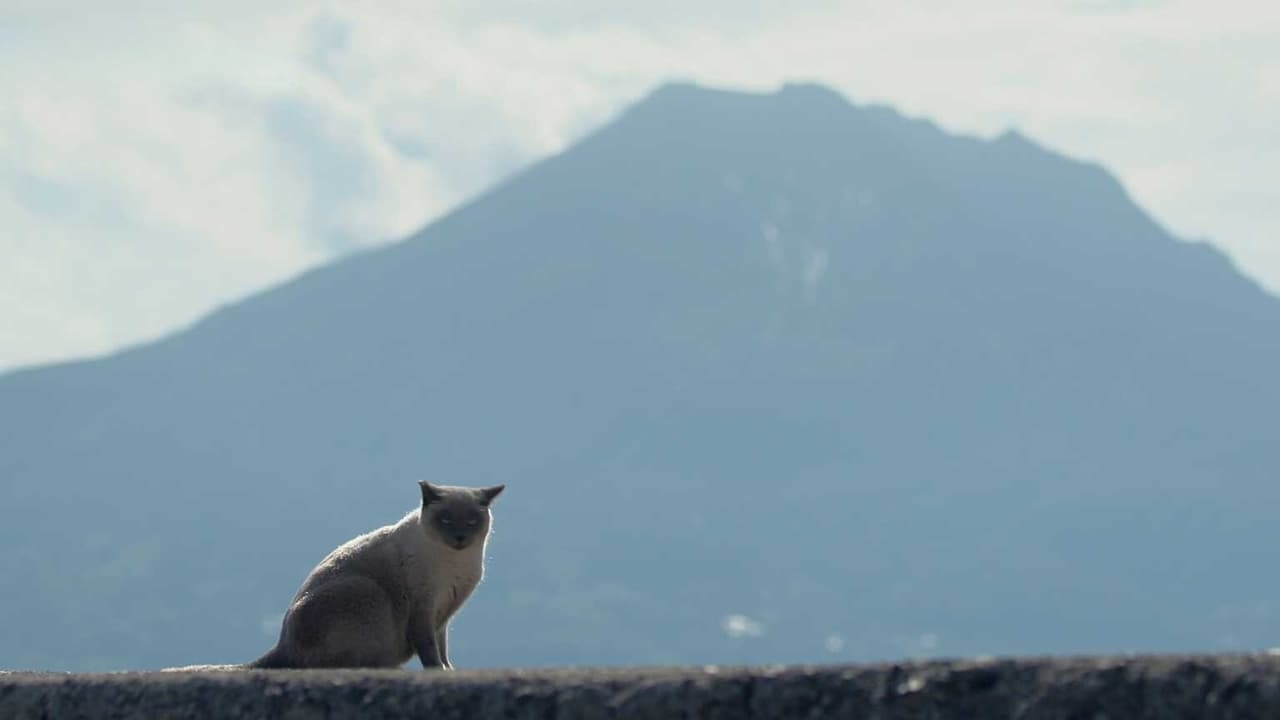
column 272, row 659
column 205, row 668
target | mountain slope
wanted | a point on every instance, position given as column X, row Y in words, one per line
column 772, row 355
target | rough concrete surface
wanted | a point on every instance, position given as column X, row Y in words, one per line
column 1246, row 686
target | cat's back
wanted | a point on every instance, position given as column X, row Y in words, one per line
column 373, row 554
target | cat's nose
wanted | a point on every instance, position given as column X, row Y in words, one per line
column 459, row 540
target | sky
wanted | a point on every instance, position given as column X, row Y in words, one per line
column 160, row 159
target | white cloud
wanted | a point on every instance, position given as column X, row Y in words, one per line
column 834, row 643
column 157, row 159
column 741, row 626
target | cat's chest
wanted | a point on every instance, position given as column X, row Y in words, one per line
column 448, row 578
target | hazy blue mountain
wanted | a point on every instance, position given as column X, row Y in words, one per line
column 781, row 356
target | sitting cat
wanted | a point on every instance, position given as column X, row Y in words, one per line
column 385, row 596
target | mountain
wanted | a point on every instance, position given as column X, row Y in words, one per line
column 770, row 378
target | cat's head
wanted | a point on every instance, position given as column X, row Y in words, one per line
column 457, row 516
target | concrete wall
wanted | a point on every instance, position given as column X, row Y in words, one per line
column 1137, row 687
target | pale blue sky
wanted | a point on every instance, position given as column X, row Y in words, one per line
column 157, row 161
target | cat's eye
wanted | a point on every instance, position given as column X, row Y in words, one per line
column 473, row 522
column 445, row 521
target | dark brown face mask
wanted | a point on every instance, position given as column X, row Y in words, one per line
column 456, row 516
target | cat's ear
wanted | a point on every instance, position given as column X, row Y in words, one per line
column 429, row 493
column 487, row 495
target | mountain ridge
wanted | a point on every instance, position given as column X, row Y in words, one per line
column 773, row 356
column 1011, row 136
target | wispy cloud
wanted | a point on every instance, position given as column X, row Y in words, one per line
column 156, row 160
